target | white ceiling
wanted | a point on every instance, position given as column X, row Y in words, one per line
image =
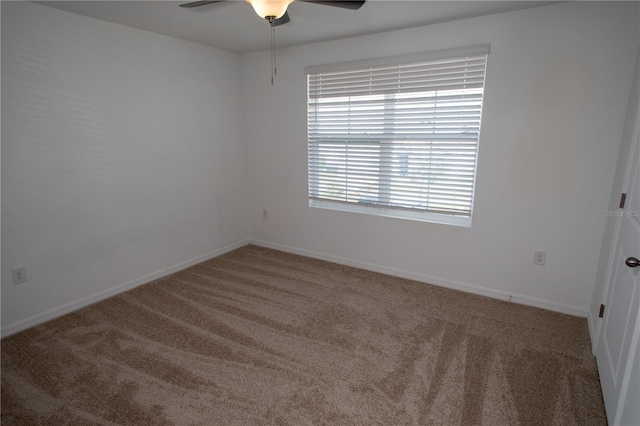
column 234, row 26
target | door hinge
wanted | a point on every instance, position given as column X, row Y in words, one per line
column 623, row 198
column 601, row 313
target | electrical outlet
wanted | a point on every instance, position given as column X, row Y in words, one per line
column 19, row 275
column 265, row 214
column 539, row 257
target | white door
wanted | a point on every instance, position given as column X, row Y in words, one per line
column 622, row 305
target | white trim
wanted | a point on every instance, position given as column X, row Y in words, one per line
column 593, row 330
column 421, row 216
column 429, row 279
column 441, row 282
column 86, row 301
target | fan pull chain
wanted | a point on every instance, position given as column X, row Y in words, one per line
column 274, row 68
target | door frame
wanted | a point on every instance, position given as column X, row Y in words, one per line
column 633, row 332
column 634, row 145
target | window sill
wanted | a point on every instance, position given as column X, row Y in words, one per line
column 442, row 219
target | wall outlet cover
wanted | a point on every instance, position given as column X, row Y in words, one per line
column 19, row 275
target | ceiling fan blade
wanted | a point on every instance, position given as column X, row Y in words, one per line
column 282, row 20
column 347, row 4
column 199, row 3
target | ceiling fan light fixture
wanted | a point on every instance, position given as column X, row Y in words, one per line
column 270, row 8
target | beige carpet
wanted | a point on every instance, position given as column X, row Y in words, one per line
column 260, row 337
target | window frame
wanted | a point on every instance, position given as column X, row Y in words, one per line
column 401, row 212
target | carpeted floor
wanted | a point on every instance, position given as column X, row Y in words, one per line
column 261, row 337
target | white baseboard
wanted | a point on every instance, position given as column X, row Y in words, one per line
column 442, row 282
column 86, row 301
column 429, row 279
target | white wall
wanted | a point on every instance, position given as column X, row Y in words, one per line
column 558, row 82
column 121, row 157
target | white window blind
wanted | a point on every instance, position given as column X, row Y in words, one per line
column 397, row 133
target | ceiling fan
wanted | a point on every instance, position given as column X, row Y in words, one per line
column 275, row 11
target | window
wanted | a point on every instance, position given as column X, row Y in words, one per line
column 397, row 136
